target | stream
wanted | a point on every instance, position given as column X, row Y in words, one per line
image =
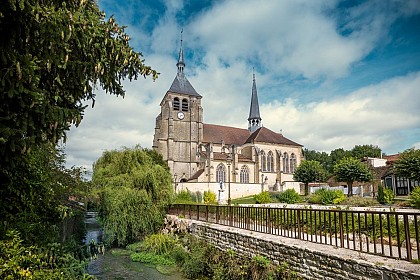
column 108, row 266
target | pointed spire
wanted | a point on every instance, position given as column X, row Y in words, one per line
column 181, row 64
column 254, row 119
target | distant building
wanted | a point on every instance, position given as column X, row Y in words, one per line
column 202, row 153
column 385, row 172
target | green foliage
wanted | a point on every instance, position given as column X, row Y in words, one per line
column 184, row 196
column 151, row 258
column 32, row 194
column 327, row 197
column 134, row 193
column 408, row 164
column 414, row 197
column 289, row 196
column 350, row 170
column 209, row 197
column 360, row 201
column 53, row 56
column 361, row 151
column 322, row 157
column 385, row 195
column 31, row 262
column 159, row 244
column 309, row 171
column 263, row 198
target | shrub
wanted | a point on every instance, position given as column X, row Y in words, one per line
column 360, row 201
column 209, row 197
column 385, row 195
column 199, row 197
column 159, row 244
column 289, row 196
column 326, row 196
column 414, row 197
column 184, row 196
column 262, row 198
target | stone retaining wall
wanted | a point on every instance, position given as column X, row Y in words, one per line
column 310, row 260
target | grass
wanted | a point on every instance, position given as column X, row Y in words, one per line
column 244, row 200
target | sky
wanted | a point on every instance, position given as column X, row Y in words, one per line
column 330, row 74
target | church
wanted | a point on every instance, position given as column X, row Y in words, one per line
column 204, row 156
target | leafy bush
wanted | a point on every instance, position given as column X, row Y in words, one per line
column 209, row 197
column 199, row 197
column 385, row 195
column 360, row 201
column 159, row 244
column 414, row 197
column 184, row 196
column 262, row 198
column 31, row 262
column 289, row 196
column 326, row 197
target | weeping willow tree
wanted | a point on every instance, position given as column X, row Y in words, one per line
column 134, row 187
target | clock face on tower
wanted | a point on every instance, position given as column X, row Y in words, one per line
column 180, row 115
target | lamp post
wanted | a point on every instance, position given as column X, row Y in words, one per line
column 175, row 182
column 262, row 182
column 229, row 159
column 229, row 162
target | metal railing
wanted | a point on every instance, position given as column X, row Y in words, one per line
column 386, row 233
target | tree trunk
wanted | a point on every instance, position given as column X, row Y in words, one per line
column 306, row 189
column 350, row 189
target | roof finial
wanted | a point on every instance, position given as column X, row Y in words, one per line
column 181, row 63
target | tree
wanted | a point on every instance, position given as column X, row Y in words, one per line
column 350, row 170
column 322, row 157
column 53, row 55
column 408, row 164
column 338, row 154
column 309, row 171
column 361, row 151
column 134, row 188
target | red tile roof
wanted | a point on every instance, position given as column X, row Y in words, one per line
column 230, row 135
column 264, row 135
column 239, row 136
column 391, row 158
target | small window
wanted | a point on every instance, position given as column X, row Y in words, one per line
column 286, row 163
column 244, row 176
column 270, row 162
column 184, row 105
column 176, row 103
column 221, row 173
column 263, row 161
column 292, row 163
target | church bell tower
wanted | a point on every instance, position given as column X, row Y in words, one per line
column 179, row 126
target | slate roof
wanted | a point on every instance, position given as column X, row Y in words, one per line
column 254, row 109
column 237, row 136
column 182, row 85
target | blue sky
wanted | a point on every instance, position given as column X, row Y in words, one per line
column 330, row 74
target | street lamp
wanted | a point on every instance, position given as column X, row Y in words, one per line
column 175, row 182
column 229, row 162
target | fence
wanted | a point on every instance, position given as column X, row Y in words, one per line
column 390, row 234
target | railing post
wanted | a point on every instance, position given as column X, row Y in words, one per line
column 230, row 215
column 207, row 213
column 298, row 222
column 407, row 237
column 340, row 221
column 198, row 212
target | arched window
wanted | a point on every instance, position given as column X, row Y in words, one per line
column 292, row 163
column 184, row 105
column 176, row 103
column 270, row 162
column 263, row 161
column 286, row 163
column 244, row 175
column 221, row 173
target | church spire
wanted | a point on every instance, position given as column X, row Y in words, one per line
column 181, row 64
column 254, row 119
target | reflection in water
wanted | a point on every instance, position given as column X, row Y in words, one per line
column 108, row 266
